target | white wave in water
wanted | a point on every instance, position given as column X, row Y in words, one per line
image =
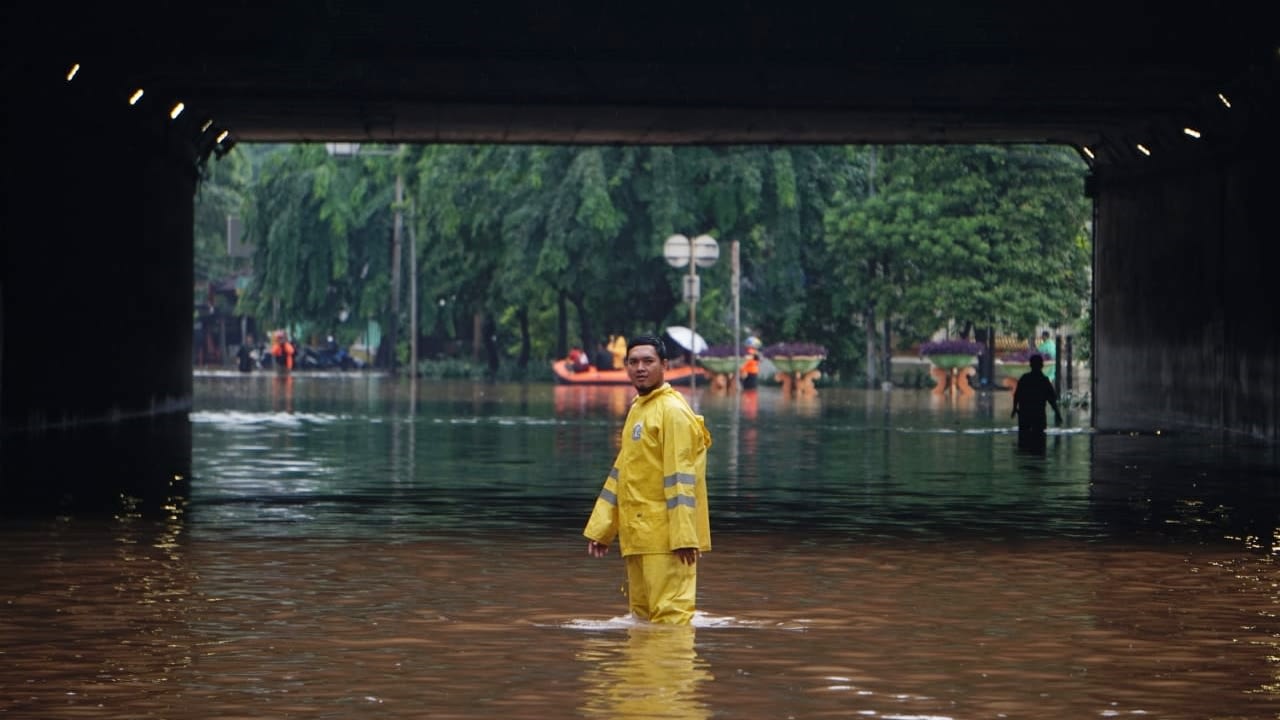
column 700, row 620
column 497, row 420
column 234, row 419
column 1010, row 430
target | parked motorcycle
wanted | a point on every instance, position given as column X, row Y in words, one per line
column 329, row 356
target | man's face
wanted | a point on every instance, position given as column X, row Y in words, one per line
column 644, row 368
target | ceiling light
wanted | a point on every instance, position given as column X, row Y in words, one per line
column 135, row 97
column 1143, row 149
column 1085, row 149
column 176, row 111
column 1225, row 101
column 1191, row 132
column 72, row 72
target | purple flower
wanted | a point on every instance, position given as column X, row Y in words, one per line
column 794, row 350
column 951, row 347
column 1020, row 356
column 721, row 351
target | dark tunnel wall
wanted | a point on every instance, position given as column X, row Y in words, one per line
column 1188, row 328
column 96, row 282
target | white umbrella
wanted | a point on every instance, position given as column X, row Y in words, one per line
column 687, row 339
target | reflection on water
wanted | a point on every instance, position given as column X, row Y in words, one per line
column 650, row 672
column 353, row 545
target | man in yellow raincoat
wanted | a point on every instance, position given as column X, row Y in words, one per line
column 654, row 500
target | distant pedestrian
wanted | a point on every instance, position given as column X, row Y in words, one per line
column 1029, row 398
column 1048, row 349
column 244, row 355
column 604, row 358
column 618, row 346
column 750, row 370
column 282, row 353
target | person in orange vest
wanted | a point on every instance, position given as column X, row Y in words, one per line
column 282, row 352
column 751, row 370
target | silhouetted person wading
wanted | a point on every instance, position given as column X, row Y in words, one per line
column 1029, row 398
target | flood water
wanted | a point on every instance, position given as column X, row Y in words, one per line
column 356, row 547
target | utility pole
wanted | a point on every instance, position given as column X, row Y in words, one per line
column 413, row 295
column 736, row 260
column 393, row 325
column 871, row 307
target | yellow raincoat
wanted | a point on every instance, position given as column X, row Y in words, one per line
column 618, row 347
column 654, row 501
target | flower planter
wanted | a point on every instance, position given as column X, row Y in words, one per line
column 952, row 362
column 797, row 363
column 797, row 373
column 1009, row 372
column 1013, row 370
column 721, row 365
column 723, row 370
column 951, row 372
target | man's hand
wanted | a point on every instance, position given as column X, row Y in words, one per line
column 595, row 549
column 688, row 556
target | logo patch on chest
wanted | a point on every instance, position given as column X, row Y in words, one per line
column 637, row 431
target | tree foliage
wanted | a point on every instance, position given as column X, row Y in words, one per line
column 981, row 235
column 555, row 244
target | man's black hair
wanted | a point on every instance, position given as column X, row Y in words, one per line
column 655, row 341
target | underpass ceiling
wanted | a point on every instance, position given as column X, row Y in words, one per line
column 1089, row 75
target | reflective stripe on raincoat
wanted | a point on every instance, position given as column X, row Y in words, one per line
column 655, row 497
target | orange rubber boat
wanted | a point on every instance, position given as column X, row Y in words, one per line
column 564, row 375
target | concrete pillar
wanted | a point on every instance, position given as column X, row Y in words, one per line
column 97, row 280
column 1187, row 317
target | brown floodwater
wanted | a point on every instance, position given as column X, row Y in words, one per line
column 353, row 547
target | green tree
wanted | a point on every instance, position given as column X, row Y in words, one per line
column 544, row 244
column 320, row 227
column 982, row 235
column 221, row 193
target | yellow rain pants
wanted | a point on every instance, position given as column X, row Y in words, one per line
column 661, row 589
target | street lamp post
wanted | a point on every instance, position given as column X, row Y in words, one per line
column 702, row 251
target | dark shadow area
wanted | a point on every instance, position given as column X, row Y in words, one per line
column 140, row 466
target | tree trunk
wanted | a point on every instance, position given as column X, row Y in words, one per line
column 872, row 157
column 871, row 347
column 584, row 325
column 562, row 327
column 888, row 353
column 526, row 343
column 489, row 327
column 987, row 360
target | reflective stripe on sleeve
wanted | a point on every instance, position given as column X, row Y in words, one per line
column 608, row 496
column 678, row 479
column 678, row 500
column 613, row 473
